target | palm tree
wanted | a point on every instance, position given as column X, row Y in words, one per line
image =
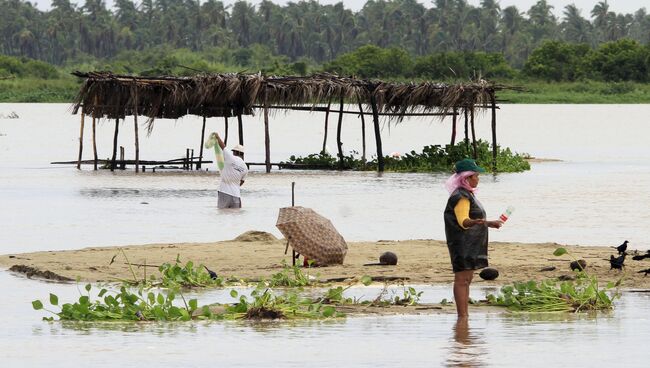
column 574, row 27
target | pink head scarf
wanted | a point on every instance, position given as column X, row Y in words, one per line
column 459, row 181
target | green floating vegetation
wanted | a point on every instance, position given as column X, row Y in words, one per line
column 142, row 304
column 124, row 305
column 434, row 158
column 583, row 294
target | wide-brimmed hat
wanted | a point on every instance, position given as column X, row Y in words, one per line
column 467, row 165
column 238, row 148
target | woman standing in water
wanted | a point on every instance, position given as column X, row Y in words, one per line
column 466, row 229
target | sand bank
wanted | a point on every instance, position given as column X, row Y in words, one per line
column 258, row 255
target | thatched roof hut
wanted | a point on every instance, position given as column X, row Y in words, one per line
column 106, row 95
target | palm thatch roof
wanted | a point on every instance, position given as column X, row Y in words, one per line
column 108, row 95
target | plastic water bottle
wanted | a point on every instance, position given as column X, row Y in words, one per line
column 506, row 214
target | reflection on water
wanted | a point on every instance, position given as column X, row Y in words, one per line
column 467, row 347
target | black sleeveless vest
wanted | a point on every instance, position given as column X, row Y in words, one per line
column 467, row 247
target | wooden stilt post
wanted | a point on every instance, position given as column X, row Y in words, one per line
column 122, row 163
column 475, row 148
column 494, row 131
column 225, row 141
column 267, row 138
column 117, row 129
column 339, row 144
column 81, row 139
column 241, row 129
column 453, row 127
column 327, row 115
column 375, row 120
column 94, row 144
column 198, row 165
column 466, row 131
column 363, row 134
column 137, row 137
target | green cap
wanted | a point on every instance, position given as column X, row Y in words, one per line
column 468, row 165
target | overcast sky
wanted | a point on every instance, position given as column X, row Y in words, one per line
column 619, row 6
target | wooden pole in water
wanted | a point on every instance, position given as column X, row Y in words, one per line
column 267, row 138
column 122, row 163
column 94, row 144
column 241, row 129
column 363, row 134
column 117, row 129
column 466, row 131
column 339, row 144
column 137, row 137
column 327, row 115
column 375, row 120
column 81, row 139
column 225, row 141
column 494, row 132
column 240, row 125
column 453, row 128
column 198, row 165
column 471, row 112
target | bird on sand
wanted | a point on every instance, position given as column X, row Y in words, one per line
column 213, row 275
column 622, row 248
column 646, row 271
column 617, row 262
column 640, row 257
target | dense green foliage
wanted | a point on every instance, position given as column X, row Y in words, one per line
column 583, row 294
column 68, row 32
column 396, row 40
column 434, row 158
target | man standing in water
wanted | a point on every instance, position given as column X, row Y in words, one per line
column 232, row 176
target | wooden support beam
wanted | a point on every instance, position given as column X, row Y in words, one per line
column 198, row 165
column 327, row 109
column 94, row 144
column 137, row 136
column 225, row 141
column 363, row 134
column 117, row 130
column 453, row 128
column 327, row 116
column 339, row 144
column 494, row 132
column 81, row 140
column 267, row 138
column 375, row 120
column 122, row 164
column 241, row 129
column 474, row 145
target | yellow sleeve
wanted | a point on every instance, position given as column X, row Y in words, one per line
column 462, row 211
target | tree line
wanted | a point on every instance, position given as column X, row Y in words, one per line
column 305, row 31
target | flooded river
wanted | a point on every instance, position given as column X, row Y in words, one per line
column 595, row 195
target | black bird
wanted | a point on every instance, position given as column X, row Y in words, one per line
column 617, row 262
column 213, row 275
column 622, row 248
column 646, row 271
column 640, row 257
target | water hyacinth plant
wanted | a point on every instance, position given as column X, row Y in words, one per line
column 124, row 305
column 583, row 294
